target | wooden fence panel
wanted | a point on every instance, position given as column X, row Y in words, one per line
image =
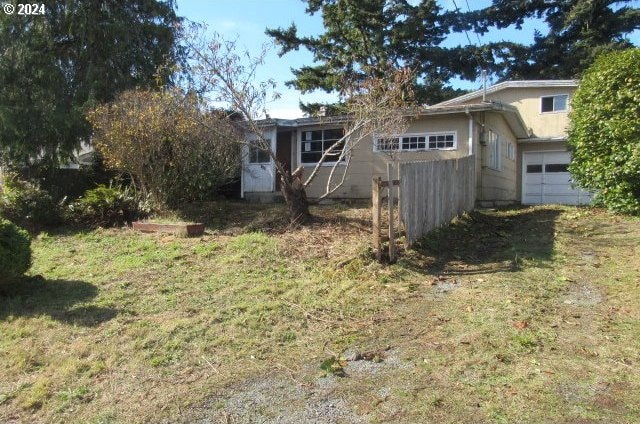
column 435, row 192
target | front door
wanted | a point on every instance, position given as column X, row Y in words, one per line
column 258, row 170
column 283, row 153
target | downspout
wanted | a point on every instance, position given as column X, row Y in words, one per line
column 466, row 111
column 478, row 173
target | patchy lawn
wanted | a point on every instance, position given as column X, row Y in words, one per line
column 525, row 315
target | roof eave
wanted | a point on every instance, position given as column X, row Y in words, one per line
column 509, row 84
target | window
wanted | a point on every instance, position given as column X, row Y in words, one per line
column 417, row 142
column 534, row 169
column 511, row 151
column 258, row 155
column 494, row 151
column 554, row 103
column 315, row 143
column 556, row 167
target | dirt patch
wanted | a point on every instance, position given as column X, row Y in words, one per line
column 583, row 294
column 278, row 399
column 283, row 399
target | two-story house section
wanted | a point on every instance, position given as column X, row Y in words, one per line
column 542, row 156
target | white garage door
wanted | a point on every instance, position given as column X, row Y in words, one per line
column 546, row 180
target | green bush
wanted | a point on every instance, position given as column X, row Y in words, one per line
column 604, row 135
column 25, row 203
column 109, row 206
column 15, row 250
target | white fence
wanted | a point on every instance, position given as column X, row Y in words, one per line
column 433, row 193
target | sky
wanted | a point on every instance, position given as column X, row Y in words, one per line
column 246, row 21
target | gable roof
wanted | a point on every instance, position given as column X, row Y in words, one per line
column 509, row 84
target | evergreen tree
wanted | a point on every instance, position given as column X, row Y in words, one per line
column 368, row 38
column 578, row 31
column 80, row 52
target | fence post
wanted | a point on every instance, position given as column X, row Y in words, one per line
column 376, row 200
column 392, row 232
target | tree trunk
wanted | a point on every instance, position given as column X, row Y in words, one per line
column 295, row 195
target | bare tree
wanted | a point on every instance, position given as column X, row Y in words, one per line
column 373, row 106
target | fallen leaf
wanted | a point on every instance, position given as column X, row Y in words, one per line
column 520, row 325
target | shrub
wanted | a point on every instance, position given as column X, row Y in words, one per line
column 109, row 206
column 25, row 203
column 15, row 250
column 175, row 149
column 68, row 184
column 604, row 135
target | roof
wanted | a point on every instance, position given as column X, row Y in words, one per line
column 510, row 113
column 509, row 84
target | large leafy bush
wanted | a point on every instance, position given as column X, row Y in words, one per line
column 604, row 136
column 15, row 250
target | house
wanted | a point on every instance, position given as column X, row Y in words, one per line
column 516, row 130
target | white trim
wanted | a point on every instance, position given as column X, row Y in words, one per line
column 426, row 135
column 470, row 135
column 274, row 138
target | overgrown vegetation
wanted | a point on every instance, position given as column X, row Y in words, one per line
column 512, row 315
column 604, row 136
column 174, row 149
column 15, row 251
column 27, row 204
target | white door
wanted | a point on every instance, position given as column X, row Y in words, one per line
column 545, row 179
column 258, row 169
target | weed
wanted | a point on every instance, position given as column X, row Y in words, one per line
column 334, row 366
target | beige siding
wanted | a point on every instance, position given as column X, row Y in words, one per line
column 498, row 186
column 365, row 163
column 527, row 101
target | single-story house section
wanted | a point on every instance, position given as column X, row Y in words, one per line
column 515, row 129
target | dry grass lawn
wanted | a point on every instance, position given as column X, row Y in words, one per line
column 516, row 315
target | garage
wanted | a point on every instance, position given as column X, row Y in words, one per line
column 545, row 179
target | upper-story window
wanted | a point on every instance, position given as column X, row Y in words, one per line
column 557, row 103
column 316, row 143
column 417, row 142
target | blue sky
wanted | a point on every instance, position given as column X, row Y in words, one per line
column 246, row 20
